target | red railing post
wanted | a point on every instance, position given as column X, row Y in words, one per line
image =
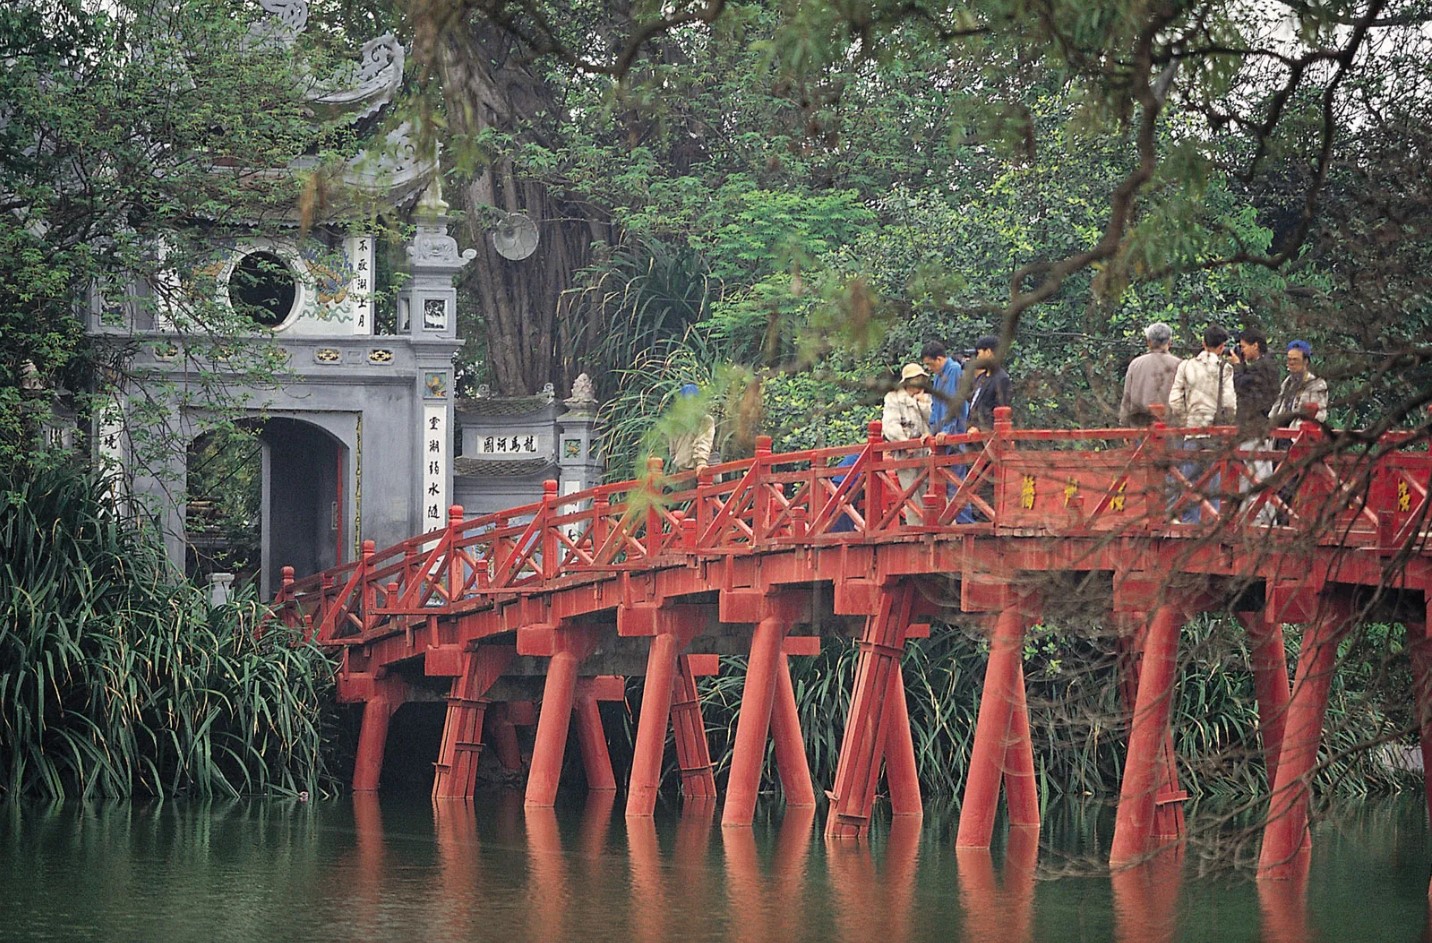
column 653, row 506
column 454, row 562
column 1161, row 458
column 284, row 601
column 367, row 589
column 1000, row 446
column 761, row 525
column 701, row 504
column 601, row 523
column 551, row 552
column 874, row 487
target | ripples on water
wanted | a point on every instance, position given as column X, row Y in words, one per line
column 358, row 870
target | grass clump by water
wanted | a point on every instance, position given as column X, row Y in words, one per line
column 117, row 677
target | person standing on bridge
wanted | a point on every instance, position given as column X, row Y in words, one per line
column 991, row 388
column 1255, row 382
column 1202, row 395
column 690, row 444
column 948, row 411
column 1149, row 378
column 906, row 418
column 1300, row 389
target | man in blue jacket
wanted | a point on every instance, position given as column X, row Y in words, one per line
column 948, row 414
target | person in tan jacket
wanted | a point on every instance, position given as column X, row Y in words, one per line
column 906, row 418
column 1202, row 395
column 690, row 448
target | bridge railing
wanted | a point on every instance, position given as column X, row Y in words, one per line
column 1015, row 481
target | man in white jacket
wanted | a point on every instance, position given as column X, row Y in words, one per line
column 1202, row 395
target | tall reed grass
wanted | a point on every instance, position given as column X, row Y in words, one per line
column 118, row 678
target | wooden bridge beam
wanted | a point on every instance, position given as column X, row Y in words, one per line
column 1269, row 659
column 384, row 696
column 569, row 644
column 1134, row 824
column 671, row 628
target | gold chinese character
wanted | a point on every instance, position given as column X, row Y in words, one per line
column 1116, row 503
column 1404, row 499
column 1026, row 493
column 1070, row 490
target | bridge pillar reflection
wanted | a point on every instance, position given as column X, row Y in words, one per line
column 1002, row 749
column 1285, row 834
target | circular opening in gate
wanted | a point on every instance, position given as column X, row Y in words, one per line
column 263, row 288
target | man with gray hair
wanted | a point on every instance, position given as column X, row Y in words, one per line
column 1150, row 377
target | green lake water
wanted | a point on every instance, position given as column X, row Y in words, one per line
column 401, row 869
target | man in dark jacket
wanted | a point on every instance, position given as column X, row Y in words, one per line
column 1255, row 381
column 992, row 386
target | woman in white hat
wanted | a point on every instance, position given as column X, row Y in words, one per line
column 907, row 417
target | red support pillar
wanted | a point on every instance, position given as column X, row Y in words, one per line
column 503, row 734
column 1134, row 821
column 553, row 723
column 651, row 725
column 754, row 722
column 693, row 753
column 1285, row 835
column 456, row 766
column 1003, row 689
column 902, row 774
column 1270, row 684
column 858, row 769
column 373, row 735
column 592, row 740
column 1021, row 792
column 791, row 760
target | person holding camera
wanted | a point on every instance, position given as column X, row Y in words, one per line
column 1255, row 380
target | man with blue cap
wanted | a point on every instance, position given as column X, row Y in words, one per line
column 1300, row 388
column 690, row 445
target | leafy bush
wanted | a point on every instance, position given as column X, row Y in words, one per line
column 116, row 679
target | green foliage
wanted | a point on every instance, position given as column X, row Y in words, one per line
column 115, row 681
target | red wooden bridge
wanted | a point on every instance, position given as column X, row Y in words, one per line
column 537, row 613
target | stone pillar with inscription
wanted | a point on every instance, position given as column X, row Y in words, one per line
column 577, row 457
column 427, row 312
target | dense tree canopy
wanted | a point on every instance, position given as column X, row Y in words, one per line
column 1059, row 173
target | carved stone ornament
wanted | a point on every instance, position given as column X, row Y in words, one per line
column 584, row 394
column 432, row 247
column 549, row 392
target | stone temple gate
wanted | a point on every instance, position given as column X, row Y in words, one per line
column 355, row 422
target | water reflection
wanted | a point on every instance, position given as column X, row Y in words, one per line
column 457, row 871
column 996, row 911
column 1146, row 898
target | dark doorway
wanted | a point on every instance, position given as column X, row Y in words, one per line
column 304, row 489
